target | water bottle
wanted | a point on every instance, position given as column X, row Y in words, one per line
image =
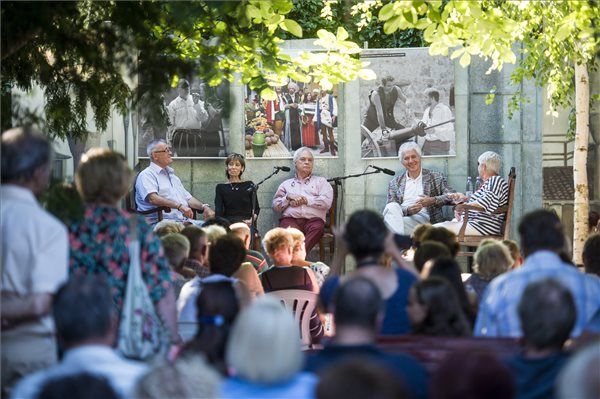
column 478, row 183
column 469, row 188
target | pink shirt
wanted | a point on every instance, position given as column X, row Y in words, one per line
column 317, row 191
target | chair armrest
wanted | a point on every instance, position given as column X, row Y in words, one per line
column 466, row 208
column 154, row 210
column 197, row 212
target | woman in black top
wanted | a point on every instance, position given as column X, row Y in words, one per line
column 233, row 201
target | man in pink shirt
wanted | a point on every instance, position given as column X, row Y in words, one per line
column 304, row 200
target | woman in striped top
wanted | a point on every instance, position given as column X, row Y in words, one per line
column 492, row 195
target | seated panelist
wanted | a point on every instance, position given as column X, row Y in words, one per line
column 417, row 195
column 157, row 185
column 304, row 200
column 233, row 201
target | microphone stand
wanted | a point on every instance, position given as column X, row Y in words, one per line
column 254, row 189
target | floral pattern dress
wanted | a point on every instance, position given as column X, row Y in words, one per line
column 99, row 245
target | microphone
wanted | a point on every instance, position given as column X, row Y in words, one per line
column 383, row 170
column 284, row 168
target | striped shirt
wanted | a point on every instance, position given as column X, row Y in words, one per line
column 492, row 195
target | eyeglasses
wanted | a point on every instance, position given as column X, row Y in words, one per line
column 168, row 149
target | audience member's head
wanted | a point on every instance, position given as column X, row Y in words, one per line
column 264, row 345
column 167, row 226
column 81, row 385
column 177, row 249
column 226, row 255
column 515, row 253
column 186, row 378
column 83, row 312
column 103, row 176
column 591, row 254
column 213, row 232
column 472, row 374
column 278, row 244
column 491, row 259
column 448, row 269
column 358, row 303
column 547, row 314
column 26, row 158
column 365, row 234
column 242, row 230
column 593, row 220
column 541, row 230
column 198, row 242
column 218, row 221
column 580, row 377
column 429, row 250
column 418, row 233
column 298, row 249
column 217, row 307
column 360, row 378
column 434, row 309
column 443, row 236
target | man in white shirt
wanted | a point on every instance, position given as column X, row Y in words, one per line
column 185, row 111
column 87, row 326
column 416, row 196
column 157, row 185
column 34, row 256
column 438, row 140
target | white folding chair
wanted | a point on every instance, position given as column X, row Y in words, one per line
column 301, row 303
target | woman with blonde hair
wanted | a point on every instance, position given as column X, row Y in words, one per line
column 320, row 269
column 99, row 243
column 492, row 258
column 264, row 356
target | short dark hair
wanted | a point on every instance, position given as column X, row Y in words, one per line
column 219, row 221
column 541, row 229
column 23, row 150
column 194, row 234
column 429, row 250
column 444, row 236
column 82, row 385
column 357, row 303
column 226, row 255
column 365, row 234
column 591, row 254
column 448, row 269
column 547, row 314
column 83, row 309
column 235, row 157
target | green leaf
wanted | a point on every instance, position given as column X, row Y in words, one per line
column 465, row 60
column 253, row 12
column 563, row 32
column 392, row 25
column 386, row 12
column 342, row 34
column 291, row 26
column 268, row 93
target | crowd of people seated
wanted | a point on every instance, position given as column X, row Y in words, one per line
column 228, row 336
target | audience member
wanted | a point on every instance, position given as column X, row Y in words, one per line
column 198, row 257
column 580, row 377
column 358, row 312
column 157, row 185
column 472, row 374
column 213, row 232
column 542, row 239
column 443, row 236
column 593, row 222
column 515, row 253
column 366, row 238
column 547, row 313
column 264, row 356
column 429, row 251
column 360, row 378
column 256, row 258
column 320, row 269
column 81, row 385
column 225, row 257
column 434, row 309
column 86, row 326
column 217, row 307
column 284, row 276
column 34, row 256
column 218, row 221
column 491, row 260
column 417, row 195
column 100, row 242
column 177, row 249
column 166, row 226
column 186, row 378
column 304, row 200
column 591, row 254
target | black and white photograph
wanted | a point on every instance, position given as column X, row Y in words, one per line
column 412, row 99
column 192, row 117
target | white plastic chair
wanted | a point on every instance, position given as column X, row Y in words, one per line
column 301, row 303
column 187, row 329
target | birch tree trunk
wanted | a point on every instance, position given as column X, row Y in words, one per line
column 580, row 179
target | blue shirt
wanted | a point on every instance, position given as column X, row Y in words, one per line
column 497, row 315
column 302, row 385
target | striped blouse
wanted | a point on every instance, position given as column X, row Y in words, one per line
column 492, row 195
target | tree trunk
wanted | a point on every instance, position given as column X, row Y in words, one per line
column 580, row 180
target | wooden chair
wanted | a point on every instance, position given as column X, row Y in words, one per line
column 472, row 242
column 328, row 236
column 131, row 205
column 301, row 303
